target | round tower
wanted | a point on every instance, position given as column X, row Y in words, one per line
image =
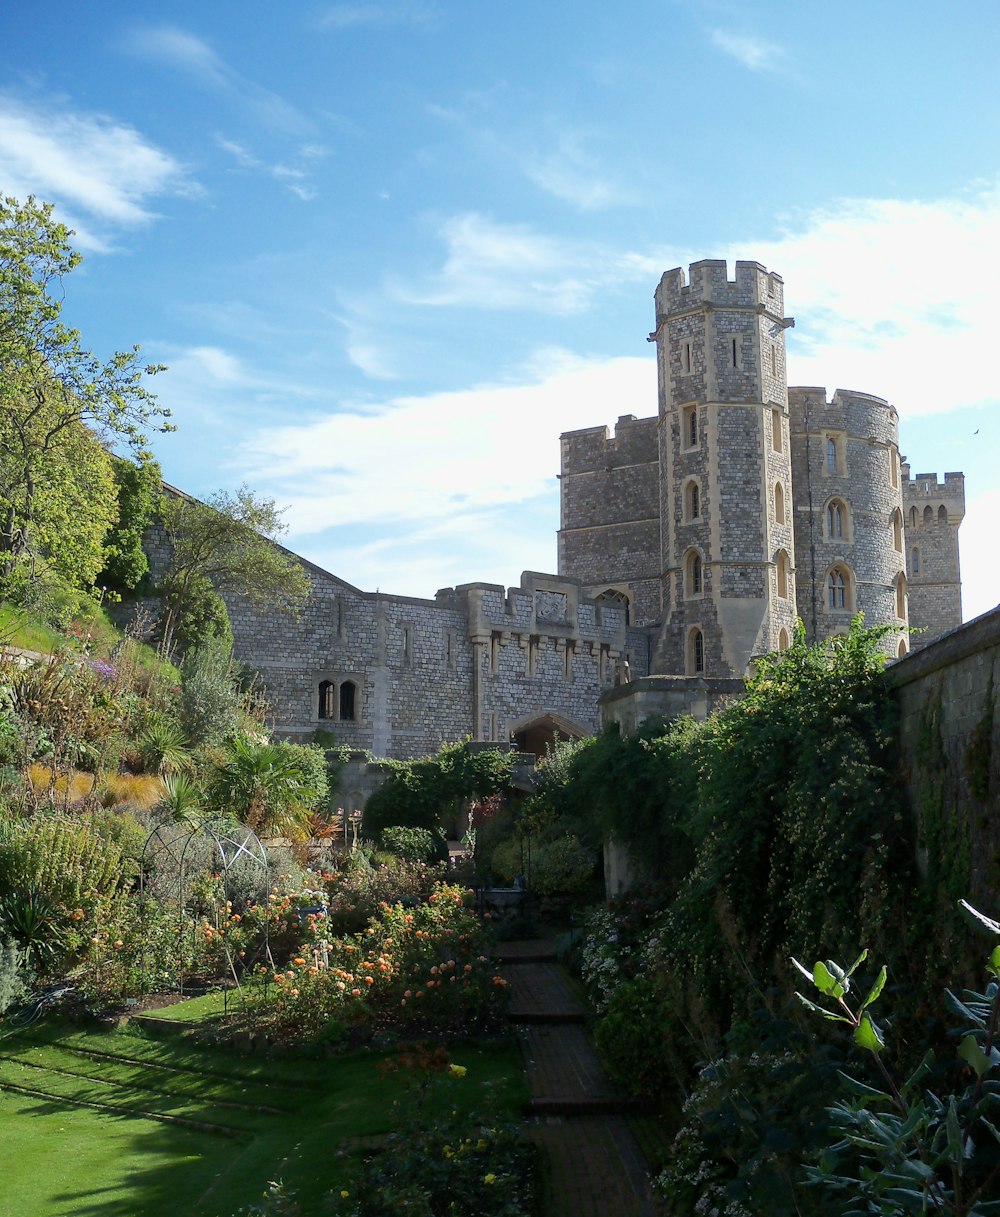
column 849, row 525
column 728, row 565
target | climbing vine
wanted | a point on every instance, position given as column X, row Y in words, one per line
column 424, row 793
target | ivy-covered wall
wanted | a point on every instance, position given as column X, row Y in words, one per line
column 949, row 732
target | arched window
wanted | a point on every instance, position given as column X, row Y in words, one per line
column 838, row 588
column 694, row 582
column 690, row 425
column 928, row 516
column 348, row 691
column 782, row 569
column 831, row 455
column 942, row 514
column 901, row 649
column 614, row 595
column 914, row 561
column 696, row 652
column 901, row 596
column 327, row 692
column 897, row 531
column 779, row 504
column 692, row 501
column 913, row 517
column 782, row 639
column 836, row 520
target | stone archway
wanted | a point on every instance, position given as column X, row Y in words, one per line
column 538, row 733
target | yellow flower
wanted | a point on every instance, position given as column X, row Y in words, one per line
column 490, row 1178
column 457, row 1071
column 345, row 1195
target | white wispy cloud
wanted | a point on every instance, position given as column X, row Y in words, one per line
column 894, row 296
column 104, row 174
column 380, row 16
column 293, row 177
column 572, row 173
column 757, row 54
column 411, row 460
column 170, row 46
column 491, row 265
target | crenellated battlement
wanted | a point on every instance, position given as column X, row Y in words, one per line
column 709, row 284
column 923, row 487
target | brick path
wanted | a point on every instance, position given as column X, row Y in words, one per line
column 575, row 1116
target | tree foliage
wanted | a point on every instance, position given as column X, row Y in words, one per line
column 138, row 492
column 57, row 400
column 226, row 545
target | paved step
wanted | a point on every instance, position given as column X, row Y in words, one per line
column 563, row 1071
column 575, row 1116
column 539, row 994
column 535, row 950
column 594, row 1166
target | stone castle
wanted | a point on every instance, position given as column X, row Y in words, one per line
column 690, row 542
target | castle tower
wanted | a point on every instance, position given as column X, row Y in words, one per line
column 609, row 535
column 932, row 512
column 728, row 566
column 849, row 525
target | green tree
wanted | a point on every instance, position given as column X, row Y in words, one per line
column 53, row 392
column 227, row 545
column 73, row 505
column 139, row 483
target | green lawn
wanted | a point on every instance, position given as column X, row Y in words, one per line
column 120, row 1125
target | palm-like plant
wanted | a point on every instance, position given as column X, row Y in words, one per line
column 35, row 924
column 266, row 786
column 182, row 800
column 164, row 749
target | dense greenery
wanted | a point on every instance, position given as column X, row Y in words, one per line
column 774, row 828
column 428, row 792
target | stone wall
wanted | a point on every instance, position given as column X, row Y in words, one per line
column 949, row 735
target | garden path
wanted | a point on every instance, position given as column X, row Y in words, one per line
column 575, row 1115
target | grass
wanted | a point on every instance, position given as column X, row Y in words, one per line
column 205, row 1008
column 114, row 1123
column 19, row 629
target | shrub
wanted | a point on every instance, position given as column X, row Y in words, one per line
column 420, row 967
column 210, row 698
column 12, row 987
column 412, row 844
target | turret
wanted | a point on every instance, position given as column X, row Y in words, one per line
column 725, row 470
column 933, row 512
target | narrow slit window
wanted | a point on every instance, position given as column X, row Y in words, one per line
column 698, row 652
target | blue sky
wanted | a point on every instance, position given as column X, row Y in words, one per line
column 391, row 250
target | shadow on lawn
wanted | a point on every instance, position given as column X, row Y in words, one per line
column 98, row 1162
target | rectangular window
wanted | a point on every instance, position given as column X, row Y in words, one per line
column 407, row 646
column 735, row 352
column 687, row 358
